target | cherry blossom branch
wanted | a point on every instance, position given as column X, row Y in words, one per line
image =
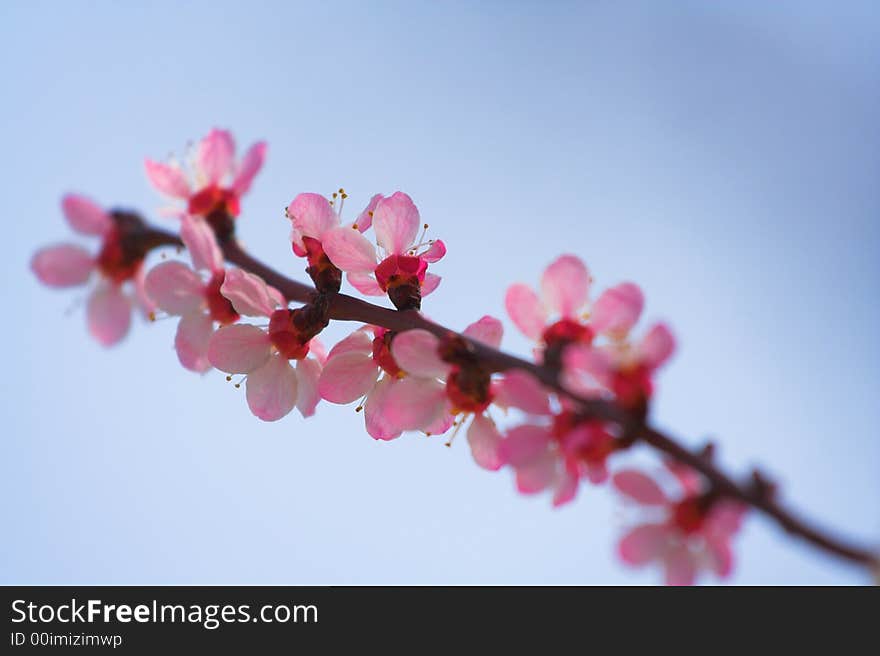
column 758, row 492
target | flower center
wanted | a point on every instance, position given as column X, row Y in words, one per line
column 591, row 445
column 689, row 514
column 219, row 306
column 286, row 337
column 382, row 354
column 123, row 250
column 468, row 388
column 219, row 206
column 402, row 277
column 562, row 333
column 326, row 276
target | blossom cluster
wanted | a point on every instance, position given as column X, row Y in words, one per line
column 418, row 380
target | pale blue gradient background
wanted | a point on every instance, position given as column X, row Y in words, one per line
column 724, row 155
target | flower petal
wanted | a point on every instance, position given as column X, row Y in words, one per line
column 720, row 556
column 308, row 371
column 680, row 566
column 272, row 389
column 566, row 487
column 416, row 353
column 347, row 377
column 85, row 216
column 519, row 389
column 565, row 285
column 191, row 341
column 250, row 165
column 365, row 283
column 64, row 265
column 536, row 475
column 360, row 341
column 525, row 310
column 484, row 440
column 396, row 223
column 239, row 348
column 365, row 218
column 216, row 155
column 200, row 241
column 617, row 310
column 248, row 293
column 643, row 544
column 312, row 216
column 349, row 250
column 524, row 444
column 430, row 283
column 415, row 403
column 639, row 487
column 168, row 179
column 657, row 346
column 487, row 330
column 109, row 314
column 435, row 253
column 175, row 288
column 376, row 419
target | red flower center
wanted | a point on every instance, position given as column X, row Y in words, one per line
column 219, row 206
column 218, row 305
column 468, row 388
column 689, row 514
column 120, row 257
column 286, row 337
column 382, row 353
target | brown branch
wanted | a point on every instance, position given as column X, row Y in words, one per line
column 349, row 308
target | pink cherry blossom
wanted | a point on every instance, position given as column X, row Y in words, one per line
column 561, row 315
column 448, row 389
column 361, row 366
column 399, row 267
column 623, row 368
column 118, row 261
column 184, row 292
column 312, row 216
column 263, row 354
column 686, row 533
column 215, row 182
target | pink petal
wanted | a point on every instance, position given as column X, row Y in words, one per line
column 146, row 304
column 312, row 216
column 396, row 223
column 109, row 314
column 317, row 350
column 308, row 371
column 347, row 377
column 639, row 487
column 720, row 556
column 566, row 488
column 169, row 180
column 435, row 253
column 519, row 389
column 360, row 341
column 175, row 288
column 484, row 440
column 376, row 418
column 524, row 444
column 365, row 218
column 442, row 424
column 580, row 360
column 239, row 348
column 565, row 285
column 349, row 250
column 488, row 330
column 680, row 566
column 199, row 239
column 85, row 216
column 65, row 265
column 191, row 341
column 536, row 475
column 657, row 346
column 249, row 294
column 415, row 403
column 525, row 310
column 365, row 284
column 250, row 165
column 643, row 544
column 272, row 389
column 430, row 283
column 216, row 155
column 416, row 353
column 617, row 310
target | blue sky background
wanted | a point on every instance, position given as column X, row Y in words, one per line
column 726, row 156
